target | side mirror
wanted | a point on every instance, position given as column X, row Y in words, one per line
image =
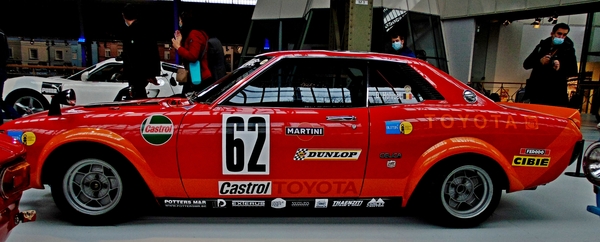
column 84, row 76
column 66, row 97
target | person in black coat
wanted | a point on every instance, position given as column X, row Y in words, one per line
column 141, row 60
column 553, row 61
column 9, row 112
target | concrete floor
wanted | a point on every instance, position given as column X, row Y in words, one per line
column 555, row 212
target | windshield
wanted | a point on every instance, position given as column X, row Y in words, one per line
column 217, row 89
column 77, row 76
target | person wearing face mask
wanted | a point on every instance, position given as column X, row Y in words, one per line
column 191, row 43
column 552, row 62
column 398, row 47
column 141, row 60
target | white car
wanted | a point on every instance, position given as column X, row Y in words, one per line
column 97, row 83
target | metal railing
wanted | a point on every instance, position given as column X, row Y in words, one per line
column 14, row 70
column 581, row 93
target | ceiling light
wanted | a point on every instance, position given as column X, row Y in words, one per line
column 536, row 23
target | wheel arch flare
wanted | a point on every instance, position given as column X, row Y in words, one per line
column 459, row 148
column 100, row 137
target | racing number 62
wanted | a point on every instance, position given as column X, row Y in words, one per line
column 237, row 136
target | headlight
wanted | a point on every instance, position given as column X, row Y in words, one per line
column 591, row 163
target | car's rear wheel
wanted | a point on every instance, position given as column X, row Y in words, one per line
column 27, row 102
column 93, row 191
column 462, row 195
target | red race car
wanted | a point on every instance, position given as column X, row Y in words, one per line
column 14, row 175
column 302, row 130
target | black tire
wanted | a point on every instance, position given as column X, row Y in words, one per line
column 97, row 190
column 461, row 195
column 27, row 101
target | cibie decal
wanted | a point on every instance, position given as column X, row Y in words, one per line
column 245, row 147
column 304, row 131
column 278, row 203
column 244, row 188
column 157, row 129
column 379, row 203
column 327, row 154
column 532, row 161
column 397, row 127
column 321, row 203
column 530, row 151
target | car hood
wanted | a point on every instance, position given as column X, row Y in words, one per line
column 568, row 113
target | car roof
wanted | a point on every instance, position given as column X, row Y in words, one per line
column 343, row 54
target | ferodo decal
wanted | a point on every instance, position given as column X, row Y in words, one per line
column 304, row 131
column 51, row 88
column 245, row 147
column 532, row 161
column 530, row 151
column 397, row 127
column 327, row 154
column 244, row 188
column 157, row 129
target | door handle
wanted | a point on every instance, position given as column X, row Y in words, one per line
column 341, row 118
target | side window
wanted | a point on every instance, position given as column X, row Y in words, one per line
column 396, row 83
column 307, row 83
column 109, row 73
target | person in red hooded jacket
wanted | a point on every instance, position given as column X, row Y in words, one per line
column 194, row 48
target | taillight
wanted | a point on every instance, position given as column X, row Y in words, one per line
column 14, row 179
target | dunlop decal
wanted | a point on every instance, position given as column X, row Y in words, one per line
column 327, row 154
column 531, row 161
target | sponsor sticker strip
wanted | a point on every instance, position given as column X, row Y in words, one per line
column 279, row 203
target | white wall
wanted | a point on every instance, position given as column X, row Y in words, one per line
column 459, row 37
column 515, row 42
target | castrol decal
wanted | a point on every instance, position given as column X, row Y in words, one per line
column 157, row 129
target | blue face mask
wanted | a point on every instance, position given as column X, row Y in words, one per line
column 397, row 45
column 558, row 41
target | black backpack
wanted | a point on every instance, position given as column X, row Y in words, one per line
column 216, row 58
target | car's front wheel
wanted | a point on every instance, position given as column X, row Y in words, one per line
column 462, row 195
column 93, row 191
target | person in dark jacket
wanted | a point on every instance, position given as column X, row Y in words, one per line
column 398, row 47
column 141, row 61
column 191, row 43
column 553, row 61
column 9, row 112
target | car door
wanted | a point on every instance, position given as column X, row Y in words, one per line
column 299, row 129
column 399, row 101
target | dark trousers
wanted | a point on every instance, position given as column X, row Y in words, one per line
column 138, row 89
